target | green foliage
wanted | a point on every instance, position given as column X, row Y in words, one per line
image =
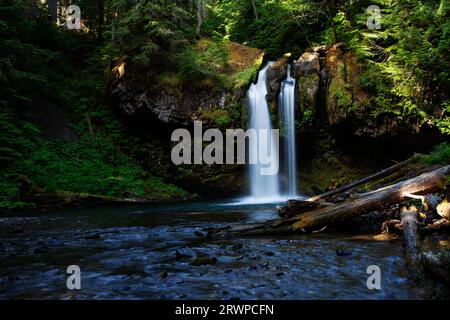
column 147, row 30
column 205, row 60
column 39, row 60
column 406, row 62
column 217, row 116
column 277, row 26
column 307, row 119
column 443, row 122
column 406, row 70
column 340, row 93
column 341, row 29
column 247, row 76
column 92, row 166
column 440, row 155
column 223, row 121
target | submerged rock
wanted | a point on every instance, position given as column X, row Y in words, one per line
column 343, row 253
column 179, row 255
column 203, row 260
column 164, row 275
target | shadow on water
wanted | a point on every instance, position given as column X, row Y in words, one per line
column 163, row 252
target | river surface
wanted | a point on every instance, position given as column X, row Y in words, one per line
column 158, row 252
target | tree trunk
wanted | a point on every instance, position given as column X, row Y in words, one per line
column 294, row 207
column 32, row 9
column 53, row 9
column 200, row 17
column 69, row 198
column 255, row 11
column 101, row 19
column 396, row 193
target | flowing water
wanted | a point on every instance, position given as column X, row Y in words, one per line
column 262, row 187
column 287, row 116
column 150, row 252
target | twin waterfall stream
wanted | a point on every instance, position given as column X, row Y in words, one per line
column 283, row 184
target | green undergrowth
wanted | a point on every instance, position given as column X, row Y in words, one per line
column 440, row 155
column 93, row 166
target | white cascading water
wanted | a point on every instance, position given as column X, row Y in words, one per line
column 287, row 115
column 262, row 187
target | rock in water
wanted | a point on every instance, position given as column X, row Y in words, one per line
column 203, row 260
column 343, row 253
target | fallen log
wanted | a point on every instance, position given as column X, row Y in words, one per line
column 378, row 175
column 442, row 225
column 318, row 218
column 69, row 198
column 299, row 206
column 410, row 236
column 383, row 237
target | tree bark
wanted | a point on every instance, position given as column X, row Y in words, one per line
column 101, row 19
column 410, row 235
column 318, row 218
column 200, row 17
column 255, row 11
column 53, row 9
column 294, row 207
column 32, row 9
column 68, row 198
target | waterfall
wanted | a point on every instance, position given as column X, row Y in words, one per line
column 287, row 116
column 262, row 187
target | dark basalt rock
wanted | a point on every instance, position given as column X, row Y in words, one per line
column 276, row 73
column 168, row 106
column 203, row 260
column 307, row 64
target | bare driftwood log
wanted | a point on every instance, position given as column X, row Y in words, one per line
column 299, row 206
column 318, row 218
column 378, row 175
column 410, row 235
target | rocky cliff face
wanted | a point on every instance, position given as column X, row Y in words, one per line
column 307, row 71
column 329, row 94
column 333, row 73
column 156, row 104
column 164, row 104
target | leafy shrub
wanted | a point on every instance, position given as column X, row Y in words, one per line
column 440, row 155
column 206, row 60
